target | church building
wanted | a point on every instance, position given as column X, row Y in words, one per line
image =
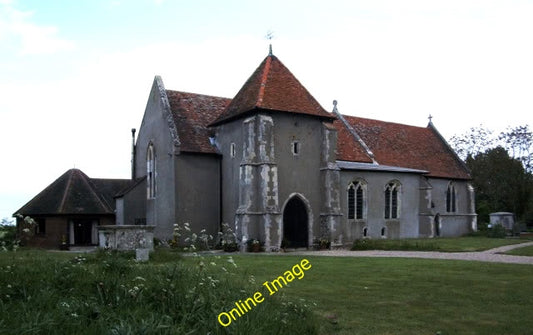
column 279, row 168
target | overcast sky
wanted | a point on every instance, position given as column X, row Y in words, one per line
column 75, row 75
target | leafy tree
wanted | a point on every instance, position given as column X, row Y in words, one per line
column 476, row 140
column 519, row 143
column 501, row 183
column 501, row 167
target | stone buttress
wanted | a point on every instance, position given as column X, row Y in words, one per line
column 258, row 215
column 330, row 211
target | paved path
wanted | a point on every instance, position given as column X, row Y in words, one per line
column 491, row 255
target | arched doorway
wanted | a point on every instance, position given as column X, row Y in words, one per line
column 295, row 224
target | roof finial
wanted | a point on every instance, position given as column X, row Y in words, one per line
column 429, row 118
column 269, row 36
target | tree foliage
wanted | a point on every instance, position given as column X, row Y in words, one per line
column 475, row 140
column 501, row 169
column 518, row 141
column 500, row 181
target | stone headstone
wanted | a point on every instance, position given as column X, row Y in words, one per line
column 142, row 255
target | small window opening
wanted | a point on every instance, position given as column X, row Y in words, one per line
column 365, row 232
column 383, row 232
column 295, row 148
column 150, row 172
column 232, row 150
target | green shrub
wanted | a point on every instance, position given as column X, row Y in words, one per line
column 8, row 237
column 482, row 226
column 496, row 231
column 404, row 244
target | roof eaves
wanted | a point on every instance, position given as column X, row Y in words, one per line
column 130, row 187
column 346, row 165
column 449, row 148
column 167, row 111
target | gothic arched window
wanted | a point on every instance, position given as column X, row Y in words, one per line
column 392, row 200
column 356, row 200
column 150, row 172
column 450, row 198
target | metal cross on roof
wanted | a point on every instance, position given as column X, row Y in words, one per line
column 269, row 36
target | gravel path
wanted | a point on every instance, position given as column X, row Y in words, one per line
column 492, row 255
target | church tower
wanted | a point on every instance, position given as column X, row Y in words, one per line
column 282, row 143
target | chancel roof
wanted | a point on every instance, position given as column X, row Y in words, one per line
column 394, row 144
column 73, row 193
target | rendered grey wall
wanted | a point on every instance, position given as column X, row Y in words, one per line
column 300, row 174
column 198, row 192
column 160, row 211
column 405, row 226
column 461, row 221
column 226, row 134
column 134, row 204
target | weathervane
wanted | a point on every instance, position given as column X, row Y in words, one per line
column 269, row 36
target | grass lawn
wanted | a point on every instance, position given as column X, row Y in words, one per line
column 525, row 251
column 406, row 296
column 455, row 244
column 56, row 293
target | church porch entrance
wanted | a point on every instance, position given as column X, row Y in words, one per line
column 295, row 224
column 83, row 232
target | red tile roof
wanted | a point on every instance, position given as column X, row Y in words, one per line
column 192, row 113
column 74, row 193
column 273, row 87
column 348, row 148
column 400, row 145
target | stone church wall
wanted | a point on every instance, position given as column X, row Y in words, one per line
column 229, row 141
column 463, row 220
column 296, row 173
column 300, row 173
column 131, row 207
column 160, row 211
column 406, row 226
column 198, row 192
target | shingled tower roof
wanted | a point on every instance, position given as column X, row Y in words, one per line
column 75, row 193
column 272, row 87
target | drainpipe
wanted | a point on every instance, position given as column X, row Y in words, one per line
column 133, row 153
column 221, row 189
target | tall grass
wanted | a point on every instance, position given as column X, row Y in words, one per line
column 110, row 293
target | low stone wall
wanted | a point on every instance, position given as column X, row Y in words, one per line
column 126, row 237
